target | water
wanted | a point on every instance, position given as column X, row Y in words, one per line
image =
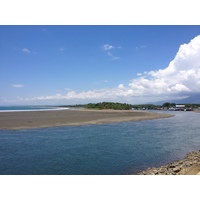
column 119, row 148
column 28, row 108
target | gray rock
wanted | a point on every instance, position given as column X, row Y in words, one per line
column 188, row 165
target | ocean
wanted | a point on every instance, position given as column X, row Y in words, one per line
column 108, row 149
column 28, row 108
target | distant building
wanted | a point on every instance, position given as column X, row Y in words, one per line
column 179, row 107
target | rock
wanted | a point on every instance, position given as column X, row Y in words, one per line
column 190, row 165
column 193, row 170
column 176, row 169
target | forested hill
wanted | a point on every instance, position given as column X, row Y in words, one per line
column 109, row 105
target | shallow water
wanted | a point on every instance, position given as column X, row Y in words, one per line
column 119, row 148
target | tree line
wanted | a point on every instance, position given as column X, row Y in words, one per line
column 109, row 105
column 125, row 106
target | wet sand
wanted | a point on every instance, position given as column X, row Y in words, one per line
column 40, row 119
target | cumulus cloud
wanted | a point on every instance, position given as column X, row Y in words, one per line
column 180, row 78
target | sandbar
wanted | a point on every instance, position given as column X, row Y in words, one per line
column 71, row 117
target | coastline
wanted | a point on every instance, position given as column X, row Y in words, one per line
column 189, row 165
column 71, row 117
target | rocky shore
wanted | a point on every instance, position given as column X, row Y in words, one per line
column 190, row 165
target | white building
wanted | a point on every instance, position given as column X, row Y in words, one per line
column 180, row 107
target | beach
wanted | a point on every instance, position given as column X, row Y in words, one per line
column 71, row 117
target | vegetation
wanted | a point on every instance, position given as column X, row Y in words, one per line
column 125, row 106
column 109, row 105
column 194, row 106
column 168, row 105
column 73, row 106
column 146, row 107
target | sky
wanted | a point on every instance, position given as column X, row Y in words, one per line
column 74, row 64
column 43, row 65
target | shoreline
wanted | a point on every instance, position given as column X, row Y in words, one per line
column 34, row 110
column 189, row 165
column 71, row 117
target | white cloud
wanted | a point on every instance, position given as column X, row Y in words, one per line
column 108, row 47
column 17, row 85
column 121, row 86
column 139, row 74
column 180, row 78
column 25, row 50
column 112, row 56
column 179, row 88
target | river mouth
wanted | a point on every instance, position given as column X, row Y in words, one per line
column 106, row 149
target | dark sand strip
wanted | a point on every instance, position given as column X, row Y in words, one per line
column 40, row 119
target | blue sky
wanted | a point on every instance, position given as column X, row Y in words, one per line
column 82, row 64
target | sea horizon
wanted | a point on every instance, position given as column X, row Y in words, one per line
column 15, row 108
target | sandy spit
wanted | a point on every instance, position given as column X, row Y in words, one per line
column 40, row 119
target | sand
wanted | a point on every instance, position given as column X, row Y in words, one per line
column 40, row 119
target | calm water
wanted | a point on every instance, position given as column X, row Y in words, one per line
column 120, row 148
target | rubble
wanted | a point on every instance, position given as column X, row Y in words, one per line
column 190, row 165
